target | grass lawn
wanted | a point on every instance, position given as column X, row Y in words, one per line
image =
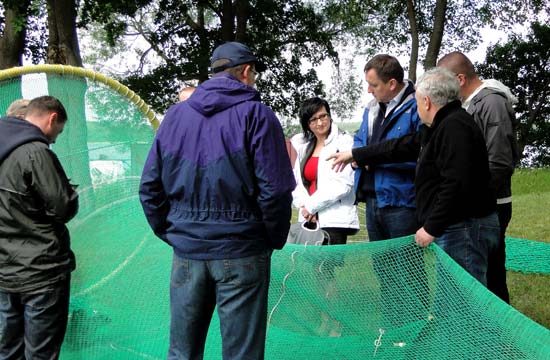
column 529, row 293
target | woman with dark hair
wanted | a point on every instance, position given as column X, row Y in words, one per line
column 323, row 195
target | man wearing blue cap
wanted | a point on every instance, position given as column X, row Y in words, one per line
column 217, row 186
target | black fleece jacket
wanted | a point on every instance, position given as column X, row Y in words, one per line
column 452, row 173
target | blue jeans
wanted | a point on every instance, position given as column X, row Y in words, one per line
column 33, row 325
column 469, row 243
column 239, row 287
column 389, row 222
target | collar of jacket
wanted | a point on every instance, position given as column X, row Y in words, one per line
column 445, row 111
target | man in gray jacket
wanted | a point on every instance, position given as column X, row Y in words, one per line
column 490, row 103
column 36, row 201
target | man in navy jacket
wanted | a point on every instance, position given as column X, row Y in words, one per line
column 217, row 186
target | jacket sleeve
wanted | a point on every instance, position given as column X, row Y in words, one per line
column 300, row 194
column 51, row 184
column 151, row 192
column 414, row 125
column 360, row 137
column 405, row 148
column 274, row 177
column 494, row 115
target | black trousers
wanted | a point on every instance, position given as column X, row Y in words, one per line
column 338, row 236
column 496, row 267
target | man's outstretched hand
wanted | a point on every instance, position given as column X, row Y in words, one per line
column 341, row 159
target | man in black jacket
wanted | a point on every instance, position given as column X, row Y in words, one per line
column 36, row 201
column 455, row 202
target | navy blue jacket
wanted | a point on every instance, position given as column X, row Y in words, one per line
column 218, row 182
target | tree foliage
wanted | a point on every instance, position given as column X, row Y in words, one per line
column 421, row 29
column 181, row 36
column 345, row 92
column 22, row 32
column 523, row 64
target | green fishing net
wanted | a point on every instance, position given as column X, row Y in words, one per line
column 383, row 300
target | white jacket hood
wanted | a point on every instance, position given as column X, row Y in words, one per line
column 497, row 85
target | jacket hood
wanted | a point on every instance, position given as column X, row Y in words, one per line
column 222, row 91
column 16, row 132
column 298, row 140
column 334, row 131
column 500, row 87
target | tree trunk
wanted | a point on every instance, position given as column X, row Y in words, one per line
column 228, row 21
column 12, row 43
column 63, row 41
column 63, row 49
column 411, row 14
column 241, row 12
column 437, row 34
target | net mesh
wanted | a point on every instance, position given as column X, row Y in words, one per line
column 383, row 300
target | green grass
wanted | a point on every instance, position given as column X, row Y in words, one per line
column 529, row 293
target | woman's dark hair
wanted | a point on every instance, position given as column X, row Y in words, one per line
column 308, row 108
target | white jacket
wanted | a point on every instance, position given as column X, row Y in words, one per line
column 334, row 198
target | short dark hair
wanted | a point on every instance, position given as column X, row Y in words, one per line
column 47, row 104
column 235, row 70
column 387, row 67
column 308, row 108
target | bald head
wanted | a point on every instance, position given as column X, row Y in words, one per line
column 458, row 63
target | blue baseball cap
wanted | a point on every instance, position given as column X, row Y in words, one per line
column 237, row 54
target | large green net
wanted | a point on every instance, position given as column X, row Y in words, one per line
column 384, row 300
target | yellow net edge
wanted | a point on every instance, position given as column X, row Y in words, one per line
column 67, row 70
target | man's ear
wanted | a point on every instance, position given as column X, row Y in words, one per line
column 393, row 84
column 461, row 79
column 427, row 103
column 52, row 118
column 246, row 72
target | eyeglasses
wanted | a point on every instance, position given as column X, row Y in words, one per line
column 257, row 74
column 323, row 117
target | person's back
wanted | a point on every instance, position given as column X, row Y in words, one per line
column 217, row 147
column 36, row 201
column 217, row 187
column 490, row 104
column 494, row 115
